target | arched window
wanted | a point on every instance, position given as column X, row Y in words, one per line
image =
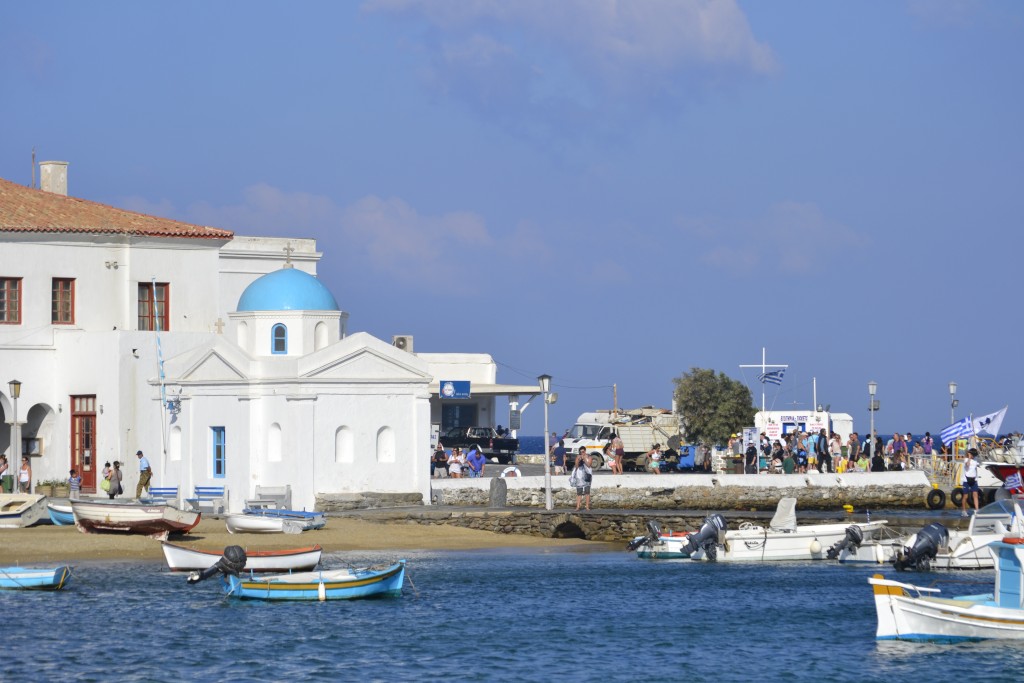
column 279, row 341
column 386, row 445
column 343, row 445
column 274, row 443
column 320, row 336
column 174, row 444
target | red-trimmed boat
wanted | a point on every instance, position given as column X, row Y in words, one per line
column 182, row 559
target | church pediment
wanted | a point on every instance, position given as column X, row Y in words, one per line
column 364, row 364
column 212, row 367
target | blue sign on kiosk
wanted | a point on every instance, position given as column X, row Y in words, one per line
column 453, row 389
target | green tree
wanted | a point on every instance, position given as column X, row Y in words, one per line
column 712, row 407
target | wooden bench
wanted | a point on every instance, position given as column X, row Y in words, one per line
column 216, row 497
column 275, row 497
column 169, row 494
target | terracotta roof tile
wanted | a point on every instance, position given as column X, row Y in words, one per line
column 23, row 209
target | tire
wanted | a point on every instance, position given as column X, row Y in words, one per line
column 596, row 462
column 936, row 499
column 956, row 497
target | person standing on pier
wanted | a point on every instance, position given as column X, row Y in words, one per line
column 970, row 480
column 145, row 474
column 821, row 451
column 582, row 476
column 619, row 451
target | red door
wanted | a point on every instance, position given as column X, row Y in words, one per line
column 83, row 440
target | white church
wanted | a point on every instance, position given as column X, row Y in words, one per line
column 222, row 357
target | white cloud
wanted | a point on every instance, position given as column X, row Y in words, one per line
column 793, row 237
column 558, row 59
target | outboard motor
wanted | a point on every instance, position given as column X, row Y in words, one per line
column 926, row 547
column 854, row 537
column 654, row 532
column 231, row 562
column 707, row 538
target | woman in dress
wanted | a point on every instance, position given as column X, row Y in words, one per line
column 609, row 457
column 835, row 447
column 115, row 480
column 619, row 449
column 455, row 463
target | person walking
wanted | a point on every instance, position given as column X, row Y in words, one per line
column 969, row 480
column 115, row 480
column 476, row 462
column 581, row 478
column 558, row 456
column 145, row 474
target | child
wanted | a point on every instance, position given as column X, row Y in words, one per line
column 75, row 482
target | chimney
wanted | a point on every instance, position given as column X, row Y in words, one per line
column 53, row 177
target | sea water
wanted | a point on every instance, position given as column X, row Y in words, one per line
column 496, row 615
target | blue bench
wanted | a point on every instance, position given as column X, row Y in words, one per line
column 216, row 497
column 167, row 493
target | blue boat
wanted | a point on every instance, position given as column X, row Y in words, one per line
column 24, row 578
column 60, row 515
column 338, row 584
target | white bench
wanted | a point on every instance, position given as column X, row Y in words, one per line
column 276, row 497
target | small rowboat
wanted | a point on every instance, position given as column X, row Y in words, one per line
column 21, row 509
column 258, row 524
column 60, row 515
column 339, row 584
column 23, row 578
column 180, row 558
column 309, row 520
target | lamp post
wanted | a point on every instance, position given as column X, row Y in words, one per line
column 15, row 388
column 953, row 403
column 545, row 387
column 872, row 407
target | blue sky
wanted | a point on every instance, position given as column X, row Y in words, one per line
column 611, row 192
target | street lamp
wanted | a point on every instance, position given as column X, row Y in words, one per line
column 953, row 403
column 545, row 387
column 15, row 388
column 872, row 407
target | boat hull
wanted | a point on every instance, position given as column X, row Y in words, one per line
column 319, row 586
column 156, row 521
column 19, row 510
column 253, row 524
column 759, row 544
column 308, row 520
column 60, row 515
column 23, row 578
column 181, row 559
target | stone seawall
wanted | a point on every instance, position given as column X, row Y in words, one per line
column 702, row 491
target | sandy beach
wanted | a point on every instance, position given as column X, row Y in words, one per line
column 46, row 543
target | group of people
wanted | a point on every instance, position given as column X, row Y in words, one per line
column 24, row 475
column 457, row 464
column 798, row 452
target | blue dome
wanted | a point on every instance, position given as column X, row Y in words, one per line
column 287, row 289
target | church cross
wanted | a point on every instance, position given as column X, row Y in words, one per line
column 219, row 325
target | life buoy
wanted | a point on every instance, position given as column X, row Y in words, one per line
column 1013, row 540
column 510, row 472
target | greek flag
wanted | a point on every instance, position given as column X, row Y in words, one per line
column 773, row 377
column 1012, row 481
column 961, row 429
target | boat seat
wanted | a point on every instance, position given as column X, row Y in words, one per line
column 214, row 497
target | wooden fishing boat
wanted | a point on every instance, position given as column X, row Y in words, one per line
column 60, row 515
column 25, row 578
column 180, row 558
column 909, row 612
column 337, row 584
column 21, row 509
column 154, row 520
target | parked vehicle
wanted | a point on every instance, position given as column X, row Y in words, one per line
column 639, row 429
column 486, row 439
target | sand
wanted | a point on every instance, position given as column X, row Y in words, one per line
column 63, row 544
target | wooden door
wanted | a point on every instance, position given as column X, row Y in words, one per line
column 83, row 440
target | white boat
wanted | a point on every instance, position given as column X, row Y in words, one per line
column 154, row 520
column 258, row 524
column 909, row 612
column 21, row 509
column 784, row 539
column 781, row 540
column 180, row 558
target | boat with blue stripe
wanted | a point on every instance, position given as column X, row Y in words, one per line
column 336, row 584
column 28, row 578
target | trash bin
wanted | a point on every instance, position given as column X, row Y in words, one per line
column 737, row 466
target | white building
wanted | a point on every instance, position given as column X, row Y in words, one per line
column 262, row 383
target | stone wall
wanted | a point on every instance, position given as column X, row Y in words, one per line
column 702, row 492
column 338, row 502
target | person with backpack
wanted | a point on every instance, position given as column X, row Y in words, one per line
column 581, row 477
